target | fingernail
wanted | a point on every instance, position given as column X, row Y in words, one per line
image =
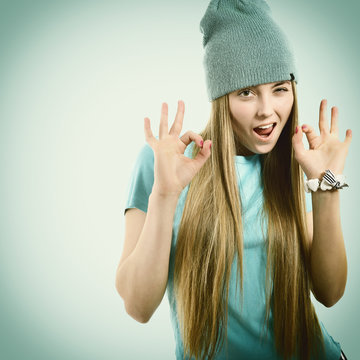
column 303, row 127
column 201, row 143
column 210, row 145
column 296, row 130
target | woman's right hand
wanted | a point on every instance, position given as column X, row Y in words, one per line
column 172, row 169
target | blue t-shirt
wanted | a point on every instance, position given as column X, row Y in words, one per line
column 243, row 327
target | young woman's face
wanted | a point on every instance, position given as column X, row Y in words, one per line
column 260, row 105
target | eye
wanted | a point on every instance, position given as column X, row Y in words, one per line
column 284, row 89
column 247, row 91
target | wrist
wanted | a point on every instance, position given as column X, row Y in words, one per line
column 164, row 194
column 320, row 193
column 315, row 175
column 328, row 181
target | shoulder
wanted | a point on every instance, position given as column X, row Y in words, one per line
column 146, row 152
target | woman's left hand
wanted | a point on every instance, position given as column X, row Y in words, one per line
column 326, row 151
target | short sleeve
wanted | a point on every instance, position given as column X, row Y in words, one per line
column 141, row 180
column 308, row 199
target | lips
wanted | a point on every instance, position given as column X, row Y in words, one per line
column 266, row 131
column 264, row 134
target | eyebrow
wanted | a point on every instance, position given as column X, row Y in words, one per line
column 281, row 82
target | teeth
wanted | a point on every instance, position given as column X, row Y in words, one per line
column 265, row 127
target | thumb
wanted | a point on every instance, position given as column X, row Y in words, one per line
column 297, row 142
column 203, row 154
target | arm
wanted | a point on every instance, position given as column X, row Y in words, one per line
column 328, row 255
column 141, row 278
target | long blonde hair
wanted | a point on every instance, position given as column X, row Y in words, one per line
column 210, row 235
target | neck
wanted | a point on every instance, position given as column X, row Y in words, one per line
column 241, row 150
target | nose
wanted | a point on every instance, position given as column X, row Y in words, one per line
column 265, row 107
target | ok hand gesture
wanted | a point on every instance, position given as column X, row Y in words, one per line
column 172, row 169
column 326, row 151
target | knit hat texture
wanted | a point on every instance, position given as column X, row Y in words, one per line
column 243, row 47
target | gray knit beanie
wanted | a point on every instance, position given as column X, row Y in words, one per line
column 243, row 47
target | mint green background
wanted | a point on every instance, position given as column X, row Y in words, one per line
column 77, row 79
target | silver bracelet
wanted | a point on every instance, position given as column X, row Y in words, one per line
column 328, row 182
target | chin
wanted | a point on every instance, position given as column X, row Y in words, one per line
column 265, row 149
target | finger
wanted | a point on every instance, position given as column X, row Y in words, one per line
column 190, row 136
column 163, row 129
column 178, row 122
column 348, row 137
column 323, row 125
column 298, row 143
column 203, row 154
column 310, row 134
column 149, row 137
column 334, row 121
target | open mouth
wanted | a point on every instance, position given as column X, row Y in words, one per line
column 265, row 133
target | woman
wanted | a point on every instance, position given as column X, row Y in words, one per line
column 206, row 220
